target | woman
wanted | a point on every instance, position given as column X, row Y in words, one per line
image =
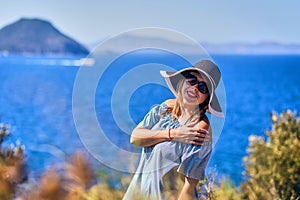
column 177, row 134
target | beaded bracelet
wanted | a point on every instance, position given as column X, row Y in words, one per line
column 169, row 133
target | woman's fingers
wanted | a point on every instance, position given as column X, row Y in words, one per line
column 201, row 130
column 197, row 143
column 202, row 136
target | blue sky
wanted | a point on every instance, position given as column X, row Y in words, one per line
column 213, row 21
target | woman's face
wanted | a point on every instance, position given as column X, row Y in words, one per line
column 190, row 93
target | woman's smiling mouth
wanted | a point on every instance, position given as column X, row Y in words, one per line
column 191, row 94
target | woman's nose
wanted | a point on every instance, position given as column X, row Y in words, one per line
column 195, row 88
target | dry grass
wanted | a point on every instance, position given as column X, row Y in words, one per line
column 12, row 166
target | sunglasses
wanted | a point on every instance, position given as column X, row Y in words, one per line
column 201, row 85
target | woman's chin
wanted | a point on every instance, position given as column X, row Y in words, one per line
column 190, row 102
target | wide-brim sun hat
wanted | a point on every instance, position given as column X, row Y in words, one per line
column 209, row 72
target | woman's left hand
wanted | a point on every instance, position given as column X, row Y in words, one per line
column 191, row 134
column 202, row 135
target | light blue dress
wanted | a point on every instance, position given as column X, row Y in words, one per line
column 158, row 160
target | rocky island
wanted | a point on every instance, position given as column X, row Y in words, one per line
column 37, row 37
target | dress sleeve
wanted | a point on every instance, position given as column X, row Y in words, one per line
column 153, row 116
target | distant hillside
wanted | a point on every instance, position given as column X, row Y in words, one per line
column 37, row 37
column 252, row 48
column 126, row 41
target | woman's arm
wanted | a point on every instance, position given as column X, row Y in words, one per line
column 144, row 137
column 193, row 133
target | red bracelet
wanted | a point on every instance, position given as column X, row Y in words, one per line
column 169, row 133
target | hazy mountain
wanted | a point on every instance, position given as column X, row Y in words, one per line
column 121, row 43
column 252, row 48
column 37, row 37
column 128, row 41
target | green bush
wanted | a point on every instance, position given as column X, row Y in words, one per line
column 272, row 167
column 227, row 191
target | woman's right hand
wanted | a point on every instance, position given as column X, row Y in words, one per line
column 191, row 133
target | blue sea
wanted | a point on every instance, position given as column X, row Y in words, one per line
column 37, row 100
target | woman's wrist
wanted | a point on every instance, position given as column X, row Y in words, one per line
column 170, row 136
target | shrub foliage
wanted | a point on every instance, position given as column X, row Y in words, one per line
column 272, row 167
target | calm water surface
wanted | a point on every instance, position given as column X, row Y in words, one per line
column 36, row 100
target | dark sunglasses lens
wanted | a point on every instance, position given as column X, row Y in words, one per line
column 202, row 87
column 192, row 81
